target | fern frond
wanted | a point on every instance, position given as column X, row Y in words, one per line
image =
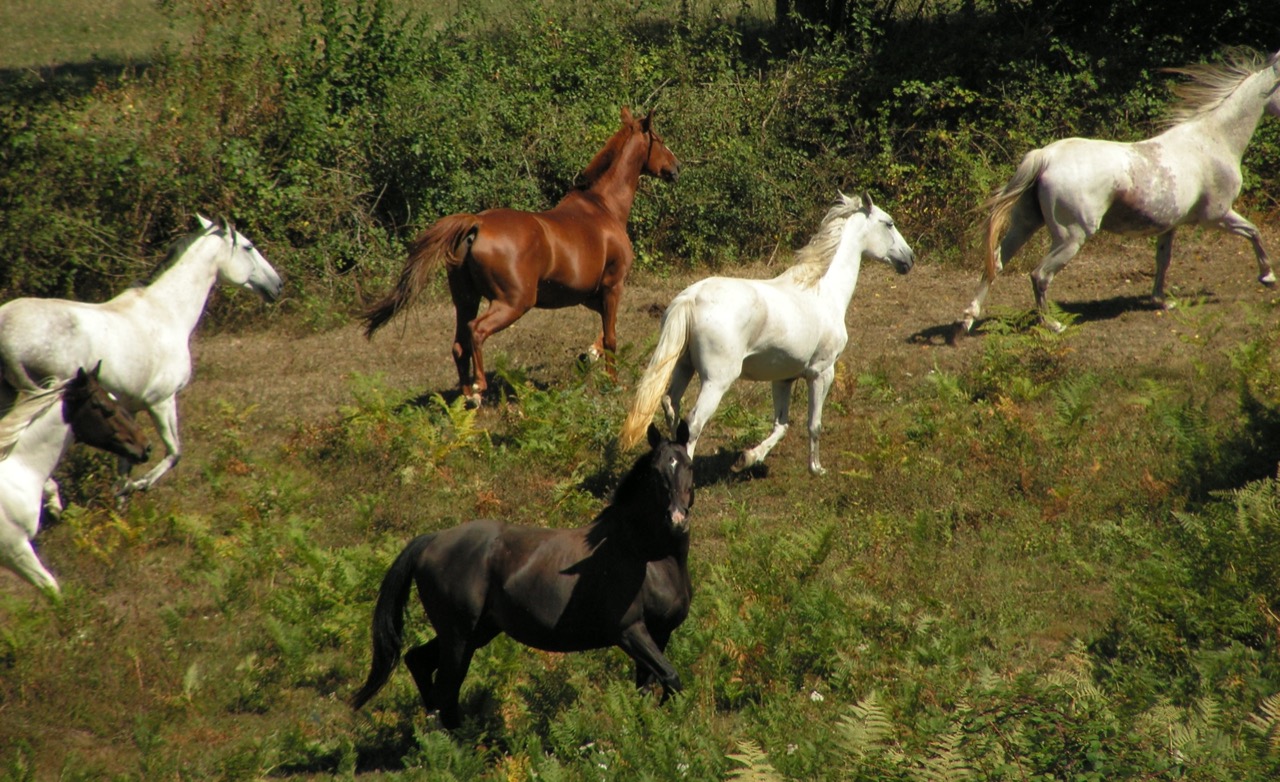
column 755, row 764
column 946, row 763
column 1266, row 722
column 864, row 727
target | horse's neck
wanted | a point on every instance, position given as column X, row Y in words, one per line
column 183, row 288
column 1234, row 122
column 622, row 526
column 837, row 285
column 616, row 187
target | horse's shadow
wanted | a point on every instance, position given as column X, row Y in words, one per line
column 1091, row 311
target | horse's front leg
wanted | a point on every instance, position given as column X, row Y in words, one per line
column 637, row 643
column 1236, row 224
column 608, row 342
column 53, row 499
column 781, row 414
column 818, row 388
column 164, row 415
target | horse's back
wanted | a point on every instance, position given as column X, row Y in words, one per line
column 566, row 250
column 42, row 339
column 758, row 328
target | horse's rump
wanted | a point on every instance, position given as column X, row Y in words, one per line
column 441, row 242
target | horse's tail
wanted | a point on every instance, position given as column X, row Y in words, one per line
column 388, row 619
column 442, row 241
column 1001, row 205
column 672, row 340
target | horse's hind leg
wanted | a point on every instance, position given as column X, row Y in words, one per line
column 1024, row 221
column 1234, row 223
column 466, row 303
column 681, row 374
column 781, row 409
column 422, row 662
column 453, row 659
column 709, row 395
column 496, row 317
column 1066, row 243
column 1164, row 254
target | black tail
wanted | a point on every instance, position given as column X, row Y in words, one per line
column 388, row 619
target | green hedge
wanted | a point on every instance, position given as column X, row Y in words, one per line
column 333, row 130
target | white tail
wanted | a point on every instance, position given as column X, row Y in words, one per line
column 672, row 340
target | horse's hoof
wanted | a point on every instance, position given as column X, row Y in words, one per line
column 474, row 399
column 1268, row 279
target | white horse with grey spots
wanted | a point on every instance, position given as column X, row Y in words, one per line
column 1189, row 174
column 142, row 336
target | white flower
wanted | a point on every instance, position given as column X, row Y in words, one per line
column 816, row 697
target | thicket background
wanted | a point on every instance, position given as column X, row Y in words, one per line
column 333, row 130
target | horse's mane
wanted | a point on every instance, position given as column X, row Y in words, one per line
column 603, row 159
column 813, row 260
column 1211, row 83
column 29, row 406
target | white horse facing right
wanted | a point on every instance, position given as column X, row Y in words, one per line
column 1188, row 174
column 33, row 436
column 142, row 335
column 777, row 330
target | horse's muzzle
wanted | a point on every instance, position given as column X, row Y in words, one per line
column 680, row 519
column 902, row 266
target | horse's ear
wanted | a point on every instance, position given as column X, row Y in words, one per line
column 682, row 432
column 81, row 375
column 204, row 221
column 866, row 200
column 627, row 119
column 655, row 436
column 647, row 122
column 97, row 368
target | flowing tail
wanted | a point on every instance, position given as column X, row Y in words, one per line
column 1002, row 204
column 388, row 619
column 442, row 241
column 672, row 340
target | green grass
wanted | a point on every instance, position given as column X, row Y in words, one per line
column 992, row 589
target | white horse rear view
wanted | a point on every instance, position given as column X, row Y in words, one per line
column 1188, row 174
column 777, row 330
column 33, row 436
column 142, row 336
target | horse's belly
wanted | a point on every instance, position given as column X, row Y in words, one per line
column 772, row 365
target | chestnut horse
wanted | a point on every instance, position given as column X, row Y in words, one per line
column 577, row 252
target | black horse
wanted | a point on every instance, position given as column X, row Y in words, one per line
column 622, row 580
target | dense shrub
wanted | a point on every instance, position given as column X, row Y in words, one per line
column 332, row 131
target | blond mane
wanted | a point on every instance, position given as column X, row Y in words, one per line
column 813, row 260
column 29, row 406
column 1209, row 84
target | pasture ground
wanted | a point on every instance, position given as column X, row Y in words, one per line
column 146, row 662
